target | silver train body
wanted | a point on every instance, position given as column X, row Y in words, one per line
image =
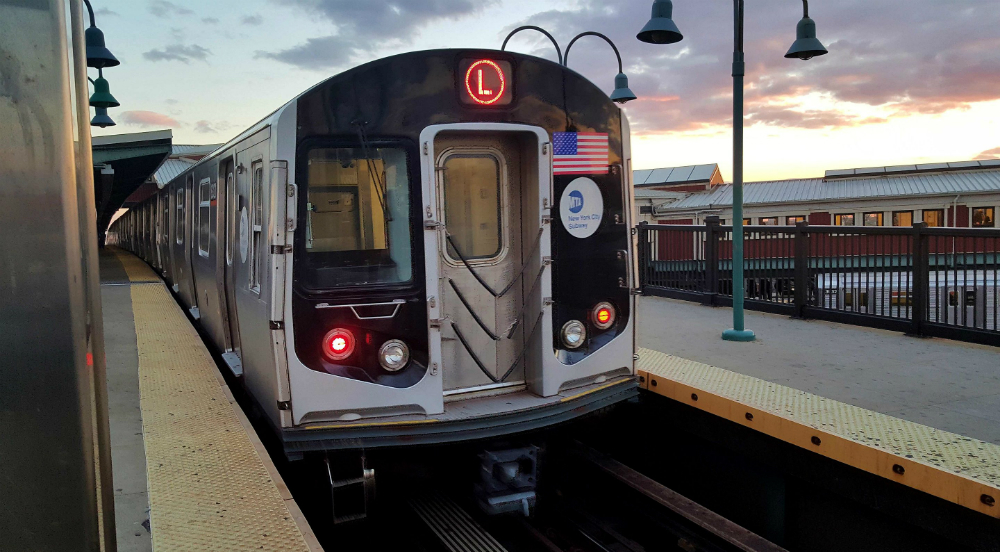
column 337, row 212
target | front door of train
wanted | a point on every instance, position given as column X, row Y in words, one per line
column 487, row 194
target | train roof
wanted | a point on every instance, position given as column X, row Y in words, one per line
column 273, row 116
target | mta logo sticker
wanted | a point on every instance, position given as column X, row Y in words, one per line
column 581, row 207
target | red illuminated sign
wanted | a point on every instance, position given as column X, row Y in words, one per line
column 486, row 82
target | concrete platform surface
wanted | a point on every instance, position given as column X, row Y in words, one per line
column 189, row 471
column 944, row 384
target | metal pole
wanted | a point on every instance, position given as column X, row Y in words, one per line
column 738, row 332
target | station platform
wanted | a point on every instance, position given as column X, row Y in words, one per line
column 767, row 386
column 189, row 470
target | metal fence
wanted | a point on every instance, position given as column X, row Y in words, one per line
column 924, row 281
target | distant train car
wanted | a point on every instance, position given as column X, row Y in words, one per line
column 957, row 297
column 428, row 248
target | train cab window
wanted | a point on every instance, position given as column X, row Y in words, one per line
column 982, row 217
column 792, row 221
column 356, row 210
column 256, row 223
column 873, row 219
column 204, row 215
column 844, row 219
column 934, row 217
column 769, row 221
column 472, row 205
column 902, row 218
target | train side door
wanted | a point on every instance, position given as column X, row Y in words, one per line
column 479, row 197
column 231, row 203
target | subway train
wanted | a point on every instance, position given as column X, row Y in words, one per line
column 432, row 247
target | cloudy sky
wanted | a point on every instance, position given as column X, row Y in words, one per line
column 905, row 82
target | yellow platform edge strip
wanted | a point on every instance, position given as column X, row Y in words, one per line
column 957, row 488
column 211, row 483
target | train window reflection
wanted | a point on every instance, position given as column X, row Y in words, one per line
column 204, row 215
column 357, row 224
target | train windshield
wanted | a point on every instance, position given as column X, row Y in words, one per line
column 357, row 217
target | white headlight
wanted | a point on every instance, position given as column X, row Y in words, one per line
column 573, row 334
column 393, row 355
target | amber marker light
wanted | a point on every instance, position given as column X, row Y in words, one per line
column 603, row 315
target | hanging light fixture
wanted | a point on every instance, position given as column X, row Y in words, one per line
column 661, row 28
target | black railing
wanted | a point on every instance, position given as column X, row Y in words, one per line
column 924, row 281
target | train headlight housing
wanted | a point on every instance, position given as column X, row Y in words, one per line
column 393, row 355
column 574, row 333
column 603, row 315
column 338, row 344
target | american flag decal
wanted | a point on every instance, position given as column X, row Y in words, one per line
column 579, row 153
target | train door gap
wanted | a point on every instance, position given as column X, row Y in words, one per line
column 230, row 205
column 486, row 191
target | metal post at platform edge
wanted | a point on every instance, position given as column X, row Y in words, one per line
column 661, row 29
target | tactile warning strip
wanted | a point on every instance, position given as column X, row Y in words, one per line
column 208, row 487
column 956, row 468
column 136, row 269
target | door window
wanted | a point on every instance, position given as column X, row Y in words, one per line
column 230, row 207
column 204, row 215
column 256, row 223
column 472, row 205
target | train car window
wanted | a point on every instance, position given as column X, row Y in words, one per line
column 873, row 219
column 472, row 205
column 204, row 214
column 845, row 219
column 902, row 218
column 230, row 208
column 357, row 217
column 982, row 217
column 791, row 221
column 769, row 221
column 934, row 217
column 901, row 299
column 256, row 224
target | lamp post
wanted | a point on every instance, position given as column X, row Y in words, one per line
column 99, row 57
column 621, row 94
column 661, row 30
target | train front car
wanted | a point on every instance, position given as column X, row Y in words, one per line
column 462, row 259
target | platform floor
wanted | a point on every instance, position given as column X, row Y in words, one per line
column 944, row 384
column 189, row 470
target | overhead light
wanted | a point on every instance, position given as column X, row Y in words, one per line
column 101, row 119
column 661, row 28
column 102, row 94
column 622, row 93
column 806, row 45
column 98, row 55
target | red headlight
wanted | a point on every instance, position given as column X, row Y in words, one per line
column 338, row 344
column 603, row 315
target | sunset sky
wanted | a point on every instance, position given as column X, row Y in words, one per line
column 904, row 82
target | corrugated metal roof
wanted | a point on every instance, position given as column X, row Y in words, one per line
column 194, row 149
column 169, row 170
column 656, row 194
column 924, row 167
column 819, row 189
column 674, row 175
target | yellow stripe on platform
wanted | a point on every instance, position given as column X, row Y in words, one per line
column 136, row 269
column 959, row 469
column 208, row 487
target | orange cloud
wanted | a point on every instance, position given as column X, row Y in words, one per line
column 148, row 119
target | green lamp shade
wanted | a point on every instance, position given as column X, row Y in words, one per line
column 102, row 95
column 101, row 118
column 622, row 93
column 806, row 45
column 98, row 55
column 661, row 28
